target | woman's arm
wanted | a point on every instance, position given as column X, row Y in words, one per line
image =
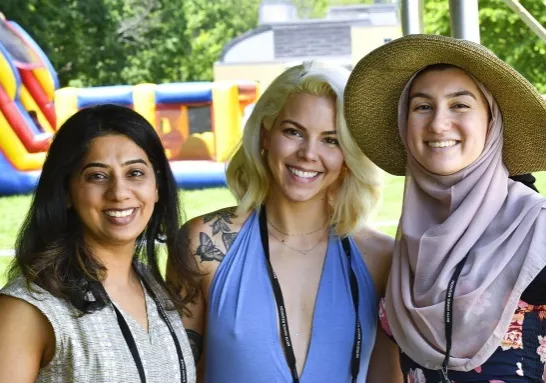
column 376, row 250
column 210, row 238
column 195, row 328
column 27, row 341
column 384, row 364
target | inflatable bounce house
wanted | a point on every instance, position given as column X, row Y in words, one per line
column 199, row 123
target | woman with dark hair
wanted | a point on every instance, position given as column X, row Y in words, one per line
column 86, row 301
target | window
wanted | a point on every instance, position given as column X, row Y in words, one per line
column 199, row 119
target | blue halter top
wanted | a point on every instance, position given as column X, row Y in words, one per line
column 242, row 341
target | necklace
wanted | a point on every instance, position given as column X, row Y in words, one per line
column 298, row 234
column 304, row 252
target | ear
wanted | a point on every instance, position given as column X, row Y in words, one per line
column 68, row 201
column 156, row 195
column 264, row 137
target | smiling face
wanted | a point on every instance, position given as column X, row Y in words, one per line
column 113, row 191
column 303, row 151
column 448, row 118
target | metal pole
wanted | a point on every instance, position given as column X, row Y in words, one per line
column 465, row 21
column 527, row 18
column 412, row 17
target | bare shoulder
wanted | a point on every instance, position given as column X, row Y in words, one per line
column 373, row 242
column 13, row 310
column 25, row 331
column 211, row 235
column 376, row 249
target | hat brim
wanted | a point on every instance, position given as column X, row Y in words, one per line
column 376, row 82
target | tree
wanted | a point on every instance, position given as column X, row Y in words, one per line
column 313, row 9
column 503, row 32
column 110, row 42
column 212, row 25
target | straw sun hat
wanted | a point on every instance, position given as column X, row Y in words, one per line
column 375, row 85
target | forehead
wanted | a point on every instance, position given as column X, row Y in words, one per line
column 450, row 79
column 308, row 107
column 113, row 148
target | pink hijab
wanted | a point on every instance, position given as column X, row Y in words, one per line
column 477, row 211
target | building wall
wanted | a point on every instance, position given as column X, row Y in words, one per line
column 264, row 73
column 312, row 39
column 366, row 39
column 256, row 48
column 346, row 35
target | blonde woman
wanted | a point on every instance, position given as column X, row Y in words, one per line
column 291, row 280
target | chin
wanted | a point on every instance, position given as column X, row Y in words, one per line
column 301, row 197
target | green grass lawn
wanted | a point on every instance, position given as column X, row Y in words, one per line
column 197, row 202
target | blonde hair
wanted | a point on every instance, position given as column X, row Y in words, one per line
column 248, row 176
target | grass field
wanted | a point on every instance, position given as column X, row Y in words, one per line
column 197, row 202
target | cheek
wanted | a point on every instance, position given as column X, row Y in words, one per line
column 84, row 197
column 476, row 130
column 414, row 125
column 335, row 161
column 412, row 136
column 148, row 193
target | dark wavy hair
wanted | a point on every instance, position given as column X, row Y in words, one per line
column 50, row 251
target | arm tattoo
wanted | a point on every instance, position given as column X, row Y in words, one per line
column 219, row 221
column 196, row 343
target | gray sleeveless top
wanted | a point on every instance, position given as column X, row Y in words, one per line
column 92, row 349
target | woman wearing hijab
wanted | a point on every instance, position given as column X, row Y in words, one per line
column 466, row 298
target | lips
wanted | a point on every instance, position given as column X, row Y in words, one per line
column 441, row 144
column 305, row 174
column 120, row 216
column 119, row 213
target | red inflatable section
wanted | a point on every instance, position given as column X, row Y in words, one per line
column 33, row 143
column 37, row 92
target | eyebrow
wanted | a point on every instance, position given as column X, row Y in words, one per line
column 449, row 95
column 104, row 166
column 300, row 126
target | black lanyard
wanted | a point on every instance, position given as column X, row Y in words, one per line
column 448, row 318
column 131, row 340
column 281, row 308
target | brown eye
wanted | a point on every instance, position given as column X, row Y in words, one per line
column 96, row 177
column 331, row 141
column 422, row 107
column 136, row 173
column 292, row 132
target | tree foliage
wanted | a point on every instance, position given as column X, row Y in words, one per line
column 312, row 9
column 108, row 42
column 503, row 32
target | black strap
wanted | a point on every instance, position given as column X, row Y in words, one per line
column 281, row 308
column 131, row 340
column 131, row 344
column 357, row 344
column 448, row 317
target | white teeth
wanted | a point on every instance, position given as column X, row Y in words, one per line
column 301, row 173
column 441, row 144
column 119, row 213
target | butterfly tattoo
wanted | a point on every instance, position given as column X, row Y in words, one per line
column 219, row 222
column 207, row 250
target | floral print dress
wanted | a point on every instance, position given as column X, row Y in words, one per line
column 520, row 357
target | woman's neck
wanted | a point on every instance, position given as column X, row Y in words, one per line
column 118, row 261
column 296, row 218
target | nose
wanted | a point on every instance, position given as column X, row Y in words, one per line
column 440, row 121
column 118, row 189
column 308, row 150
